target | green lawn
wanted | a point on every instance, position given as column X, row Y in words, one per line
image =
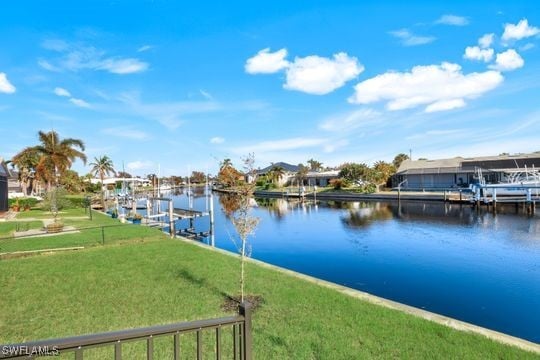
column 90, row 232
column 163, row 281
column 8, row 228
column 37, row 213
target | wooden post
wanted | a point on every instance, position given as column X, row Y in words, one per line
column 171, row 219
column 494, row 199
column 245, row 310
column 212, row 239
column 148, row 208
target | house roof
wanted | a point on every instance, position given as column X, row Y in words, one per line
column 4, row 171
column 287, row 167
column 499, row 163
column 323, row 174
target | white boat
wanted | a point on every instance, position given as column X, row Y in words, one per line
column 517, row 182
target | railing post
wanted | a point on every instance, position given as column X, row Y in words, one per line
column 245, row 311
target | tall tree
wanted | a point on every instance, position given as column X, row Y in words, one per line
column 102, row 166
column 399, row 159
column 242, row 219
column 353, row 172
column 382, row 171
column 301, row 174
column 26, row 162
column 57, row 155
column 228, row 175
column 314, row 165
column 197, row 177
column 276, row 173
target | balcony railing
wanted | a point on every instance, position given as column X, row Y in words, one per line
column 241, row 339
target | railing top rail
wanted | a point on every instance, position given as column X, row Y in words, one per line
column 71, row 343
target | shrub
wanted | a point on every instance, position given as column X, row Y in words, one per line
column 76, row 201
column 59, row 195
column 27, row 202
column 338, row 184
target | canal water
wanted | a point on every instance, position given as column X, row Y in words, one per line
column 446, row 258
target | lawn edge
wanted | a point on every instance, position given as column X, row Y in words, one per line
column 373, row 299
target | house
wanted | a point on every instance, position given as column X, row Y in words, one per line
column 461, row 172
column 321, row 178
column 4, row 174
column 289, row 172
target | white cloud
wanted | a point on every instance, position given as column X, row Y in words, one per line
column 335, row 145
column 144, row 48
column 62, row 92
column 169, row 114
column 438, row 133
column 206, row 94
column 351, row 120
column 475, row 53
column 453, row 20
column 140, row 165
column 79, row 102
column 445, row 105
column 5, row 86
column 439, row 87
column 508, row 61
column 48, row 66
column 486, row 40
column 266, row 62
column 279, row 145
column 318, row 75
column 126, row 133
column 526, row 47
column 217, row 140
column 519, row 31
column 409, row 39
column 78, row 57
column 123, row 66
column 54, row 44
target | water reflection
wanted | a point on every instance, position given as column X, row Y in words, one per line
column 472, row 265
column 362, row 214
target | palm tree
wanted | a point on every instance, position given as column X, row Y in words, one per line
column 399, row 159
column 314, row 165
column 26, row 162
column 276, row 173
column 301, row 174
column 102, row 166
column 57, row 156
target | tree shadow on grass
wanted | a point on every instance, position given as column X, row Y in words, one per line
column 230, row 302
column 201, row 282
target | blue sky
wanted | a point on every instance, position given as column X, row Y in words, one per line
column 187, row 85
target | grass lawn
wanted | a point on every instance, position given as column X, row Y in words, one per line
column 8, row 228
column 40, row 214
column 163, row 281
column 90, row 232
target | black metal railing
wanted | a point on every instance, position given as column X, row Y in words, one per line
column 241, row 339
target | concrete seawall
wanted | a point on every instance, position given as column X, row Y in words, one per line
column 437, row 318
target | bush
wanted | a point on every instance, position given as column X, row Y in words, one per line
column 261, row 181
column 369, row 188
column 77, row 201
column 338, row 184
column 270, row 186
column 28, row 202
column 59, row 194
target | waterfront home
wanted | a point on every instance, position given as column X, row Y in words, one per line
column 4, row 174
column 461, row 172
column 321, row 178
column 289, row 172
